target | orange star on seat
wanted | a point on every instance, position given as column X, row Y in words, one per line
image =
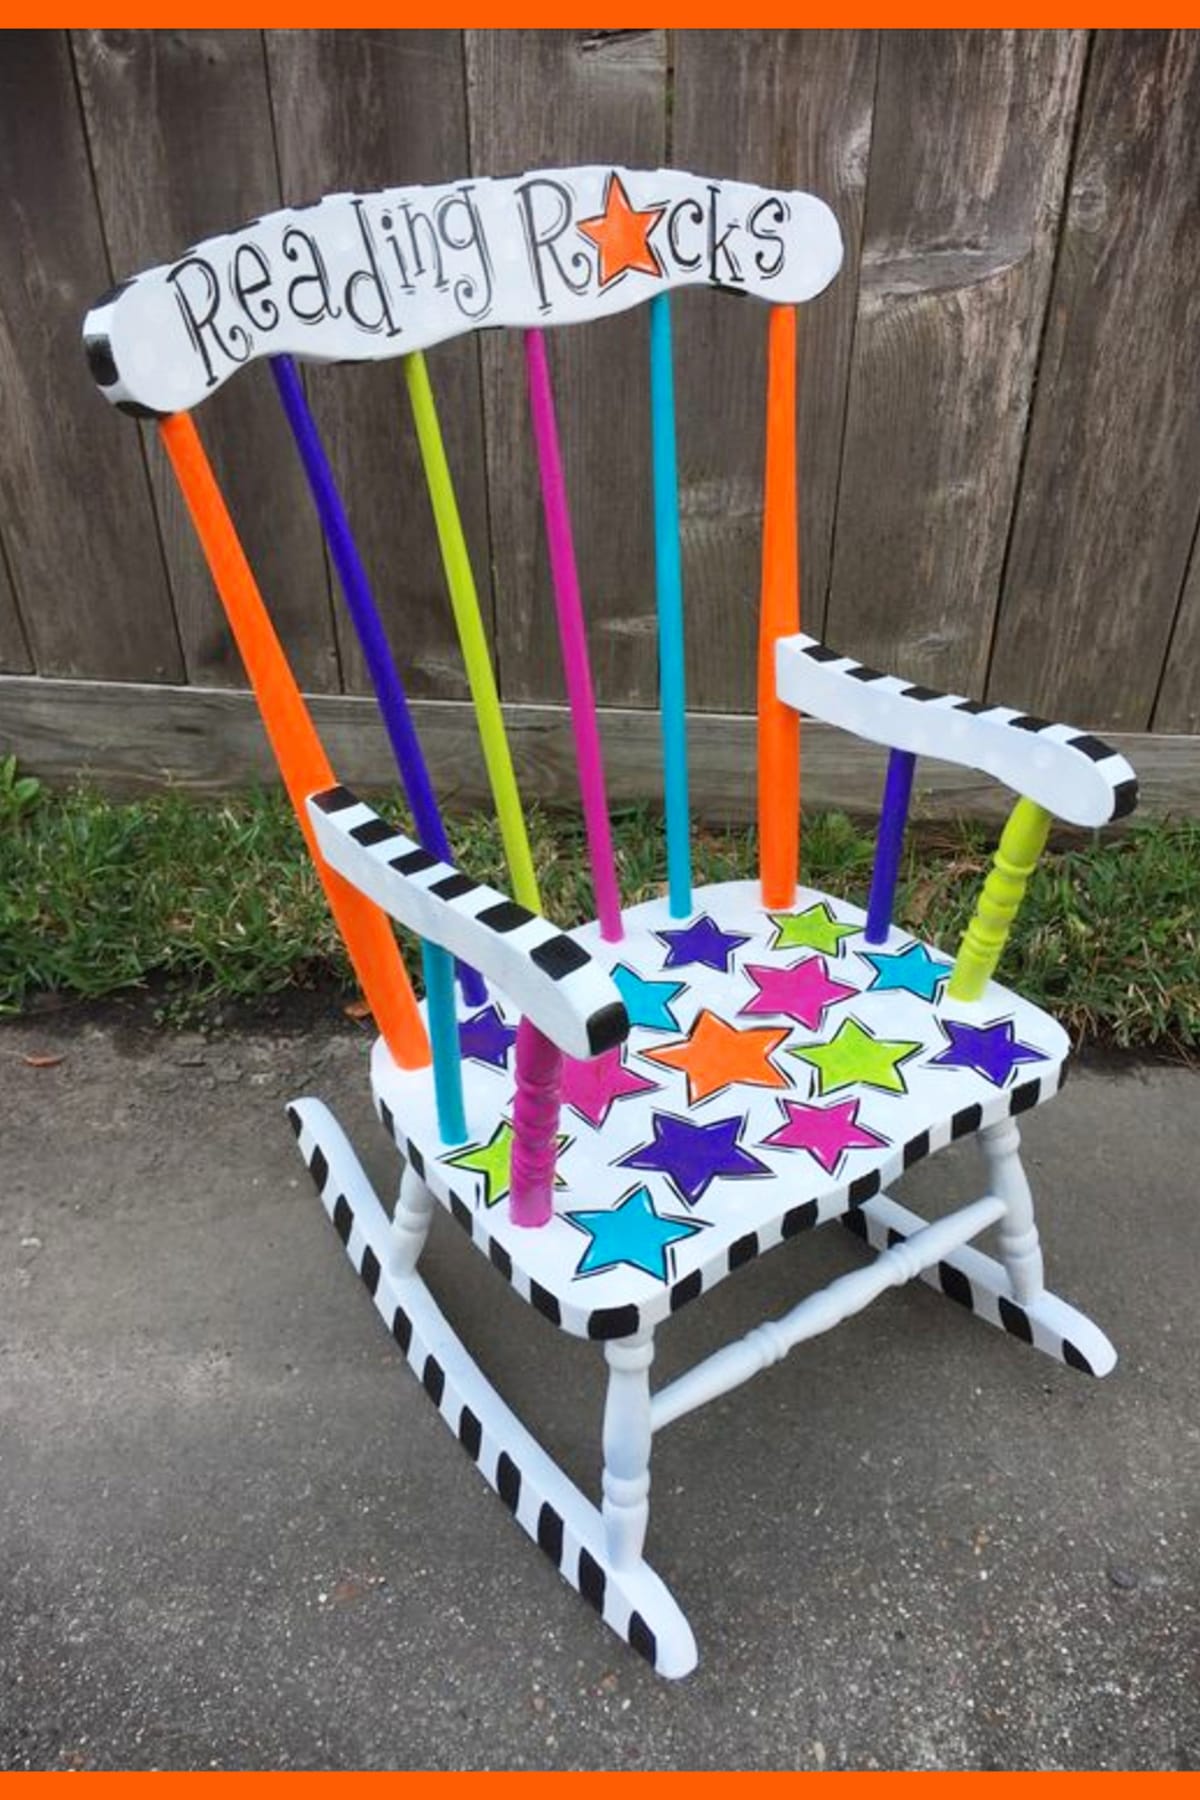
column 715, row 1055
column 621, row 233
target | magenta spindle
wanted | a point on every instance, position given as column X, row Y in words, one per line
column 535, row 1127
column 572, row 635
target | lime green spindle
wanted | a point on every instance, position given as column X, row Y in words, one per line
column 1021, row 843
column 467, row 617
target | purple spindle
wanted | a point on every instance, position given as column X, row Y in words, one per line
column 385, row 677
column 535, row 1127
column 893, row 817
column 573, row 638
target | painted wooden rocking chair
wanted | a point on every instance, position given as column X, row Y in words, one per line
column 621, row 1115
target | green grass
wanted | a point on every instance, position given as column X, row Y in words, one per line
column 212, row 902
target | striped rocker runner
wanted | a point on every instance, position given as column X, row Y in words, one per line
column 622, row 1114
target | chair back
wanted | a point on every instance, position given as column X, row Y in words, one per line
column 360, row 278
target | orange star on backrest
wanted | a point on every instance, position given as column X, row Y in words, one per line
column 714, row 1055
column 621, row 233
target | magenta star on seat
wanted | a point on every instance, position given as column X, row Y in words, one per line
column 486, row 1038
column 992, row 1051
column 805, row 992
column 826, row 1132
column 701, row 942
column 592, row 1086
column 692, row 1156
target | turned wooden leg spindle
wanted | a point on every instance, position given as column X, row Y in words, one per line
column 535, row 1126
column 627, row 1438
column 1021, row 843
column 1020, row 1247
column 410, row 1222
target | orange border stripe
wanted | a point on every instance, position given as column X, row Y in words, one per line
column 305, row 768
column 779, row 616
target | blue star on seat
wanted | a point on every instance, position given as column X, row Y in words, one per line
column 630, row 1232
column 486, row 1038
column 911, row 971
column 648, row 1003
column 693, row 1156
column 701, row 942
column 992, row 1051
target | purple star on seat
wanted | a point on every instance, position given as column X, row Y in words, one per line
column 692, row 1156
column 992, row 1051
column 701, row 942
column 486, row 1038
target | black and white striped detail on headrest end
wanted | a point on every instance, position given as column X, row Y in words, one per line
column 102, row 359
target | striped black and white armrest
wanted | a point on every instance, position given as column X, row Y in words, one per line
column 1071, row 773
column 550, row 977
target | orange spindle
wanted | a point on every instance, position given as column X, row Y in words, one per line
column 305, row 768
column 779, row 616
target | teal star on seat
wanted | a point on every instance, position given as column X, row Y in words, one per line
column 630, row 1232
column 648, row 1003
column 911, row 970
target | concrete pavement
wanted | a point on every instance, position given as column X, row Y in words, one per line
column 234, row 1533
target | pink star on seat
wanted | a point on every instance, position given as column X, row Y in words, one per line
column 804, row 992
column 826, row 1132
column 592, row 1086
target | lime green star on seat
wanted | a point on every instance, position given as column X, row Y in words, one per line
column 493, row 1162
column 813, row 929
column 854, row 1057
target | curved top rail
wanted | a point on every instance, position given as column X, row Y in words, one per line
column 361, row 277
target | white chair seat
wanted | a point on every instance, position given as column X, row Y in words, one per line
column 677, row 1168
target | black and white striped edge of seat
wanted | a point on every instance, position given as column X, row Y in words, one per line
column 545, row 973
column 1073, row 774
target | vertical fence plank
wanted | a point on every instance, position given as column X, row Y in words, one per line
column 357, row 111
column 556, row 98
column 1112, row 475
column 968, row 164
column 787, row 109
column 180, row 131
column 14, row 651
column 78, row 524
column 1178, row 707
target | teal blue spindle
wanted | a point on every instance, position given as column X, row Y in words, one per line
column 438, row 966
column 669, row 588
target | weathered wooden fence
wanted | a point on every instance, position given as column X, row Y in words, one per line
column 1000, row 418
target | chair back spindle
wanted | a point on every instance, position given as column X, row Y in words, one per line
column 438, row 968
column 468, row 619
column 779, row 616
column 573, row 638
column 669, row 595
column 393, row 705
column 299, row 753
column 893, row 817
column 368, row 626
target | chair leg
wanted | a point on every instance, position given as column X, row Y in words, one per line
column 627, row 1440
column 410, row 1222
column 572, row 1531
column 1020, row 1249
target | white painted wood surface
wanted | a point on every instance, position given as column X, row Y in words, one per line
column 363, row 277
